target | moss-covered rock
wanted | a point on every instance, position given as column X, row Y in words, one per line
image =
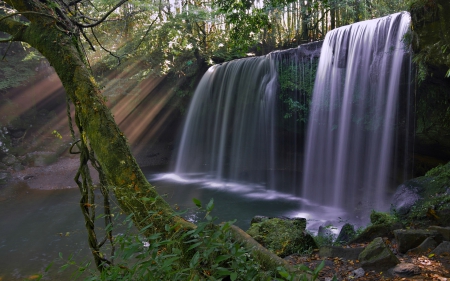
column 432, row 192
column 283, row 237
column 377, row 256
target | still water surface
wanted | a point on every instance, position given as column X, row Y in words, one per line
column 37, row 225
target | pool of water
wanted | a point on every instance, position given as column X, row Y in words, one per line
column 240, row 201
column 37, row 225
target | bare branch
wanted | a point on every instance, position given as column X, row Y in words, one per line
column 25, row 13
column 104, row 49
column 104, row 17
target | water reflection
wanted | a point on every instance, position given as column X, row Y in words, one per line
column 241, row 201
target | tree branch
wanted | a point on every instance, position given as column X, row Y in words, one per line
column 103, row 18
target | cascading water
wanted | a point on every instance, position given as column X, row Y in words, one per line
column 353, row 120
column 244, row 124
column 229, row 129
column 232, row 129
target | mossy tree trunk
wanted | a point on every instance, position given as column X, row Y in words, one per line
column 46, row 32
column 94, row 119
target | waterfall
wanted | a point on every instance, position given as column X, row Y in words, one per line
column 349, row 159
column 248, row 121
column 230, row 123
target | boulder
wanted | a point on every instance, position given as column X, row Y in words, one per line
column 406, row 196
column 346, row 234
column 377, row 256
column 425, row 247
column 374, row 231
column 283, row 237
column 442, row 249
column 444, row 231
column 411, row 238
column 340, row 252
column 326, row 233
column 405, row 270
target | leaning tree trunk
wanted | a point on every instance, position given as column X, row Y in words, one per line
column 64, row 53
column 133, row 192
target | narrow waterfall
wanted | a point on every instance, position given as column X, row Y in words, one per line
column 349, row 153
column 228, row 133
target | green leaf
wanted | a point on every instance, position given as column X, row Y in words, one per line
column 319, row 267
column 221, row 258
column 195, row 245
column 210, row 205
column 233, row 276
column 197, row 202
column 194, row 261
column 48, row 267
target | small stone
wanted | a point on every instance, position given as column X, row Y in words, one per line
column 357, row 273
column 9, row 159
column 405, row 270
column 4, row 176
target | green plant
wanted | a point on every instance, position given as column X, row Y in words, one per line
column 209, row 250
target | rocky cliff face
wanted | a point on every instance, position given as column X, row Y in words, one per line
column 431, row 43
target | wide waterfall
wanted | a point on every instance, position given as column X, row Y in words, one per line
column 247, row 120
column 350, row 158
column 232, row 131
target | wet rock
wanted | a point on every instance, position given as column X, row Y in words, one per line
column 425, row 247
column 411, row 238
column 340, row 252
column 405, row 270
column 442, row 249
column 9, row 160
column 326, row 232
column 444, row 231
column 284, row 237
column 346, row 234
column 406, row 196
column 4, row 176
column 374, row 231
column 258, row 219
column 357, row 273
column 377, row 256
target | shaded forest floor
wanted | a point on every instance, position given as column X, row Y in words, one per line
column 430, row 268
